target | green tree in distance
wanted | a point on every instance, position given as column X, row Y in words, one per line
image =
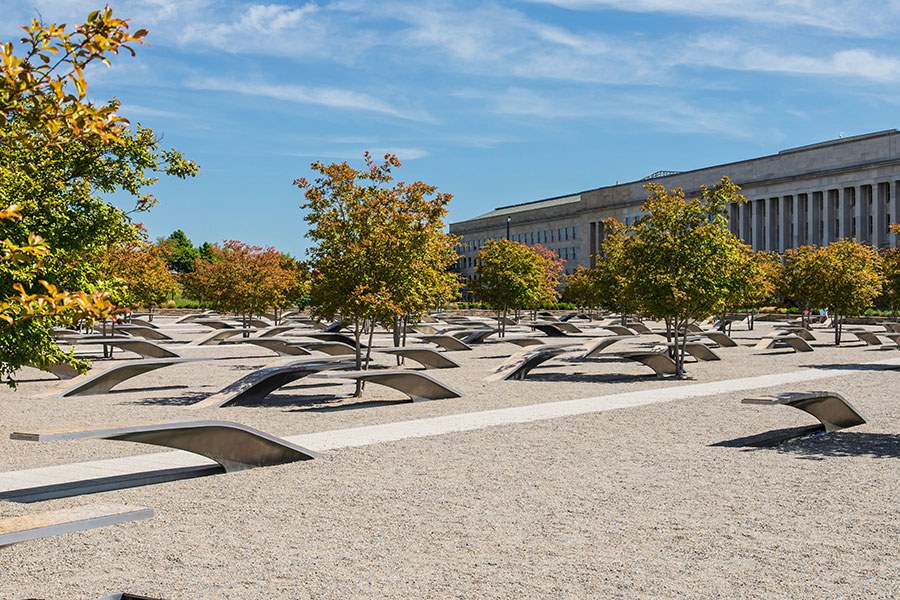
column 848, row 279
column 179, row 252
column 243, row 279
column 510, row 276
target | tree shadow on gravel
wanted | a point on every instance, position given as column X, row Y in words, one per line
column 819, row 446
column 182, row 400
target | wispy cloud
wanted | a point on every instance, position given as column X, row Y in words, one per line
column 321, row 96
column 859, row 17
column 737, row 54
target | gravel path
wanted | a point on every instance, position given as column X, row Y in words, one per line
column 631, row 502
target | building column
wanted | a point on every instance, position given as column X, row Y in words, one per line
column 771, row 220
column 894, row 213
column 832, row 214
column 746, row 219
column 733, row 224
column 813, row 218
column 861, row 212
column 759, row 242
column 800, row 219
column 785, row 221
column 846, row 212
column 880, row 202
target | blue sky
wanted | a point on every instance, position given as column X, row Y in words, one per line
column 496, row 103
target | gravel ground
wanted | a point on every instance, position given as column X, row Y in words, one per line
column 628, row 503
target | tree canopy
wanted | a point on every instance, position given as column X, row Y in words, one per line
column 59, row 151
column 511, row 276
column 380, row 251
column 680, row 260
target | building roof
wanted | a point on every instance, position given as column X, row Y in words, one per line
column 525, row 206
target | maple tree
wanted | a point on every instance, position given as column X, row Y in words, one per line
column 145, row 278
column 380, row 252
column 510, row 276
column 890, row 268
column 680, row 260
column 847, row 279
column 243, row 279
column 57, row 148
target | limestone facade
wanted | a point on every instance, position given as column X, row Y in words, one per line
column 814, row 194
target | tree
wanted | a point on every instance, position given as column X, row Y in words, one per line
column 510, row 276
column 146, row 278
column 680, row 259
column 243, row 279
column 380, row 251
column 890, row 268
column 755, row 284
column 56, row 149
column 552, row 266
column 799, row 281
column 179, row 252
column 26, row 318
column 611, row 274
column 581, row 288
column 60, row 152
column 847, row 278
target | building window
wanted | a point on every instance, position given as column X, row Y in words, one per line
column 567, row 254
column 574, row 233
column 567, row 234
column 574, row 257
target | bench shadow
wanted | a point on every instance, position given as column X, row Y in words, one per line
column 159, row 388
column 853, row 367
column 814, row 444
column 589, row 377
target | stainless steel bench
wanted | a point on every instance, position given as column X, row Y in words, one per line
column 234, row 446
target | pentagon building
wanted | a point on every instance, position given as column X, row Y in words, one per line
column 814, row 194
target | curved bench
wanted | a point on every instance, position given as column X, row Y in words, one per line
column 619, row 330
column 475, row 336
column 638, row 327
column 254, row 387
column 214, row 323
column 520, row 364
column 600, row 344
column 550, row 329
column 524, row 341
column 660, row 362
column 864, row 335
column 794, row 341
column 334, row 337
column 232, row 445
column 447, row 342
column 720, row 338
column 141, row 347
column 149, row 333
column 80, row 518
column 278, row 345
column 418, row 386
column 104, row 381
column 218, row 335
column 332, row 348
column 697, row 350
column 830, row 408
column 426, row 357
column 61, row 370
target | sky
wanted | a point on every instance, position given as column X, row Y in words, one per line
column 496, row 103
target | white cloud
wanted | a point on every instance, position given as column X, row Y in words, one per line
column 859, row 17
column 321, row 96
column 736, row 54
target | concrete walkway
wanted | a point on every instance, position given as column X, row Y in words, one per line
column 94, row 476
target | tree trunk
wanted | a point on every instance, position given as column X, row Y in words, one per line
column 357, row 333
column 838, row 321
